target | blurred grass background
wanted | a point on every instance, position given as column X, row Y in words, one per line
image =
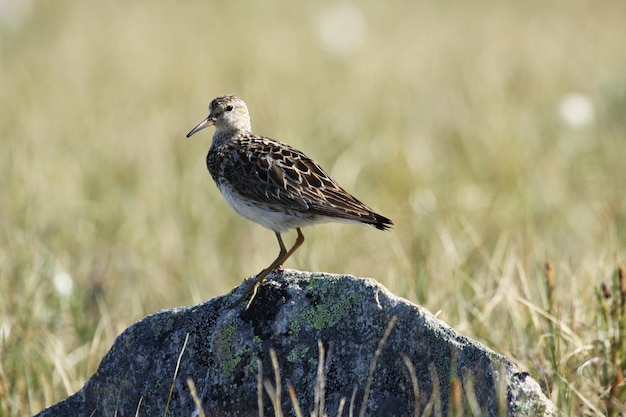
column 455, row 119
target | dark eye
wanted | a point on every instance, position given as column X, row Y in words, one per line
column 229, row 108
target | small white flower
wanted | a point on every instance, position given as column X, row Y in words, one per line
column 342, row 28
column 15, row 12
column 63, row 283
column 576, row 110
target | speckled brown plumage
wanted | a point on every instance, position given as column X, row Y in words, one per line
column 273, row 184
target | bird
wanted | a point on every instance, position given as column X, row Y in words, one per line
column 273, row 184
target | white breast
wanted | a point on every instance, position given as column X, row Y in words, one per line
column 275, row 218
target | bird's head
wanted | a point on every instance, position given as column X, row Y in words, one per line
column 228, row 114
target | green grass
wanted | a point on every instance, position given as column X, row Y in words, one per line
column 445, row 120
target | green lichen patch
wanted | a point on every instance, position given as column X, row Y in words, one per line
column 162, row 326
column 325, row 311
column 298, row 353
column 228, row 346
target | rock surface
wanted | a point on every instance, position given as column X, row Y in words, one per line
column 422, row 363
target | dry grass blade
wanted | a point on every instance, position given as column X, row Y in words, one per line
column 587, row 403
column 370, row 376
column 259, row 387
column 500, row 385
column 564, row 328
column 138, row 406
column 414, row 384
column 468, row 387
column 548, row 272
column 434, row 402
column 294, row 399
column 194, row 396
column 456, row 398
column 352, row 400
column 274, row 392
column 180, row 356
column 342, row 404
column 55, row 352
column 318, row 410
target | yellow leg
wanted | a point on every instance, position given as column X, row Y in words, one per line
column 283, row 255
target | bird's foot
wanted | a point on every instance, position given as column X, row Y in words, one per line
column 251, row 288
column 255, row 278
column 253, row 285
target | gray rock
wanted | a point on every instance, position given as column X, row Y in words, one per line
column 222, row 349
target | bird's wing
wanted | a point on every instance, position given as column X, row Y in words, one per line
column 273, row 172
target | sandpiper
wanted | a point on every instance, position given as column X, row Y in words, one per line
column 273, row 184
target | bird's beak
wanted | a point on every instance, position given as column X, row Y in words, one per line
column 209, row 121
